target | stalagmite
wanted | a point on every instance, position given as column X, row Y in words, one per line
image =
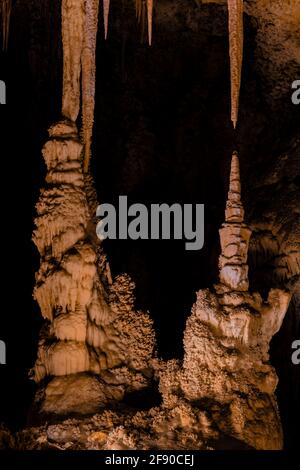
column 5, row 13
column 91, row 325
column 234, row 236
column 236, row 39
column 106, row 5
column 226, row 346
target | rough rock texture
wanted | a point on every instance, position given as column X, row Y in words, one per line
column 7, row 440
column 184, row 427
column 275, row 259
column 277, row 40
column 275, row 218
column 91, row 325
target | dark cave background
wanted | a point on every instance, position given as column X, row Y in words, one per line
column 162, row 134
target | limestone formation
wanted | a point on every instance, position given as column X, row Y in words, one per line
column 227, row 340
column 91, row 326
column 79, row 32
column 236, row 44
column 106, row 6
column 150, row 19
column 73, row 20
column 88, row 62
column 226, row 376
column 236, row 39
column 275, row 244
column 144, row 14
column 234, row 237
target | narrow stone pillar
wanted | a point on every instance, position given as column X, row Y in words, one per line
column 234, row 237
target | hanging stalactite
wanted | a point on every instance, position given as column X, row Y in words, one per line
column 73, row 18
column 138, row 9
column 144, row 14
column 106, row 5
column 150, row 18
column 5, row 13
column 236, row 36
column 89, row 76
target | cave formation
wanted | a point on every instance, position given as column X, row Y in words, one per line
column 97, row 346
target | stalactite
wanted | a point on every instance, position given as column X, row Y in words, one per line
column 235, row 18
column 106, row 5
column 150, row 17
column 72, row 12
column 89, row 76
column 138, row 8
column 5, row 12
column 142, row 14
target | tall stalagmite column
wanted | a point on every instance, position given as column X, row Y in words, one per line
column 227, row 339
column 234, row 237
column 93, row 347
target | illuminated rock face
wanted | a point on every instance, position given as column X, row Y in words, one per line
column 91, row 324
column 227, row 339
